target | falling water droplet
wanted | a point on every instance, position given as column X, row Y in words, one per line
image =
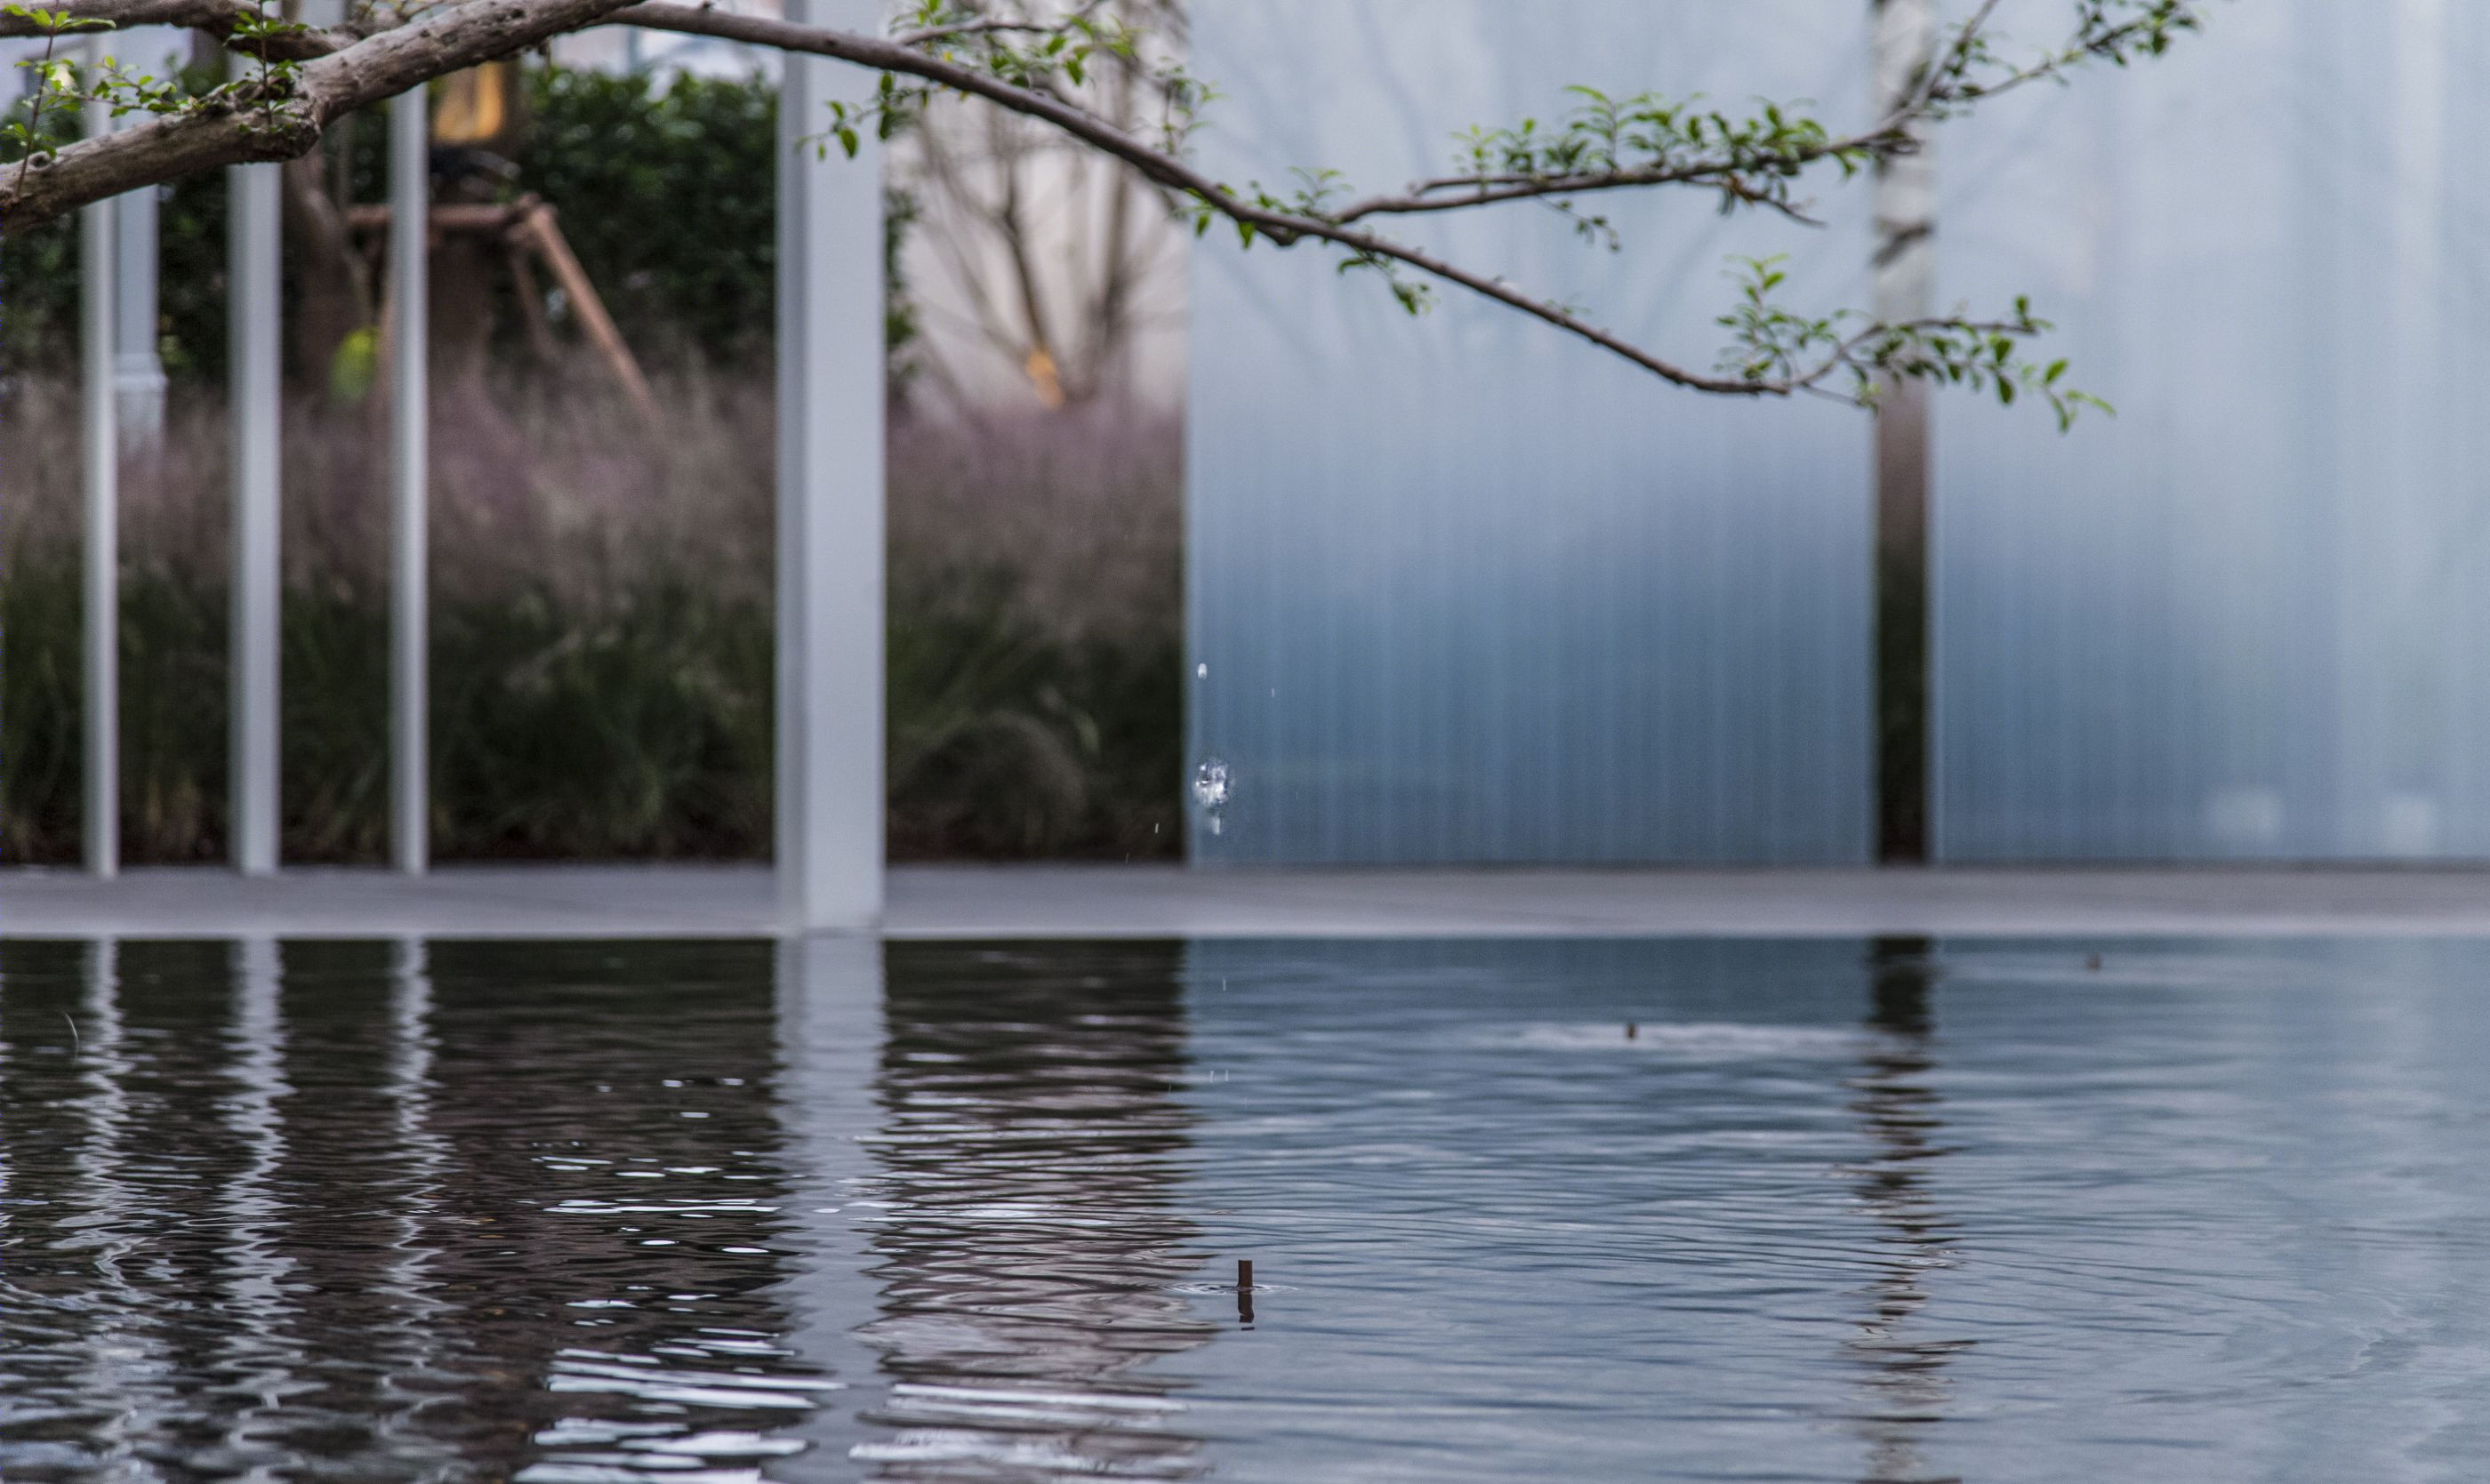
column 1202, row 671
column 1210, row 784
column 1211, row 789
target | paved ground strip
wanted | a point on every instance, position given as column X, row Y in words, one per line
column 1157, row 901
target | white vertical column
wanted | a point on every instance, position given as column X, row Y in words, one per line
column 253, row 271
column 102, row 454
column 829, row 757
column 138, row 369
column 410, row 208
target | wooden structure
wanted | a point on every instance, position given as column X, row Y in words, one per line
column 529, row 233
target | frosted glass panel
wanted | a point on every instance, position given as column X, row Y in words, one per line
column 2246, row 619
column 1466, row 590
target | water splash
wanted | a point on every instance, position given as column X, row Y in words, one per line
column 1212, row 788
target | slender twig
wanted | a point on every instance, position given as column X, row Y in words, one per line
column 218, row 18
column 35, row 112
column 1957, row 57
column 927, row 36
column 1887, row 136
column 1282, row 227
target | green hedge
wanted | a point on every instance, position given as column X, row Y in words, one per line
column 668, row 194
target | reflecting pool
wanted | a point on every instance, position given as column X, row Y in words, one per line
column 1808, row 1211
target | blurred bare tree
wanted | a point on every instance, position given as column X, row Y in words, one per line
column 1037, row 262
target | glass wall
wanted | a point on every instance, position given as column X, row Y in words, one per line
column 1462, row 590
column 2247, row 617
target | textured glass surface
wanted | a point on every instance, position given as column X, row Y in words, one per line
column 2246, row 618
column 1463, row 588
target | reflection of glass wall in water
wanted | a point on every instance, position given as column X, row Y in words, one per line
column 1533, row 1209
column 1029, row 1243
column 464, row 1212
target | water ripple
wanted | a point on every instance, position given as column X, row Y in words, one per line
column 1813, row 1212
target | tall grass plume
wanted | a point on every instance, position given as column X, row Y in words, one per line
column 601, row 651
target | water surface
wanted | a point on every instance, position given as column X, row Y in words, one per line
column 1859, row 1211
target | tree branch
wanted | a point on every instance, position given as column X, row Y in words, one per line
column 217, row 17
column 288, row 120
column 1749, row 162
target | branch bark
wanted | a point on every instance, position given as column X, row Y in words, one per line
column 288, row 120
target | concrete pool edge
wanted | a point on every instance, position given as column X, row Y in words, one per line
column 966, row 902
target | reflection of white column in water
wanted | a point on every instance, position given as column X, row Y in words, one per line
column 120, row 1356
column 422, row 1157
column 830, row 1044
column 8, row 1069
column 254, row 1299
column 411, row 1067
